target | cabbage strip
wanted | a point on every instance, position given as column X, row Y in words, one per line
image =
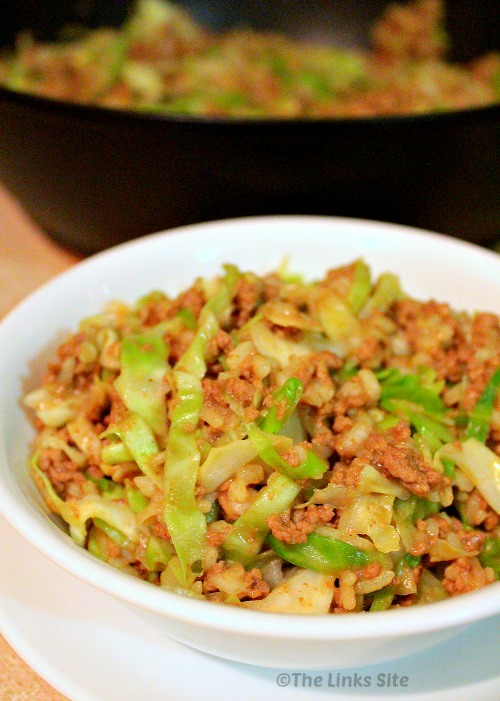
column 141, row 383
column 185, row 522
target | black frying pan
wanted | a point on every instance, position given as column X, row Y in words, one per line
column 93, row 177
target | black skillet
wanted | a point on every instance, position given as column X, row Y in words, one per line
column 93, row 177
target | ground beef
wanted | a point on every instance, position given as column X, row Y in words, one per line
column 97, row 405
column 234, row 580
column 409, row 32
column 395, row 456
column 193, row 300
column 369, row 349
column 216, row 535
column 82, row 373
column 220, row 343
column 477, row 512
column 453, row 345
column 429, row 327
column 218, row 394
column 118, row 411
column 178, row 343
column 435, row 528
column 353, row 394
column 471, row 540
column 246, row 299
column 155, row 310
column 61, row 471
column 294, row 527
column 160, row 530
column 231, row 509
column 368, row 571
column 466, row 574
column 316, row 366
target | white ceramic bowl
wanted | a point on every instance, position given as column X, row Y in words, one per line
column 430, row 265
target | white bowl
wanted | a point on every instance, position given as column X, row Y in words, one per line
column 430, row 265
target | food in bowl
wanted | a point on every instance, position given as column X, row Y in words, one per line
column 161, row 60
column 280, row 444
column 463, row 275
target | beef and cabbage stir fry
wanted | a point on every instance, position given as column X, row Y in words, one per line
column 162, row 61
column 280, row 444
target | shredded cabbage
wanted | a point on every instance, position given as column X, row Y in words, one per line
column 480, row 464
column 303, row 592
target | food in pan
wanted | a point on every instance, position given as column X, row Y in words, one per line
column 162, row 61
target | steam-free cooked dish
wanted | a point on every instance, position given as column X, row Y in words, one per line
column 280, row 444
column 162, row 61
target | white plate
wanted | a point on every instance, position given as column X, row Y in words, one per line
column 92, row 648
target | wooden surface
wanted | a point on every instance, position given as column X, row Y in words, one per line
column 27, row 259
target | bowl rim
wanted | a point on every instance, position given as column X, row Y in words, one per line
column 50, row 540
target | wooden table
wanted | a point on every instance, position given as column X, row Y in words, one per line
column 27, row 259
